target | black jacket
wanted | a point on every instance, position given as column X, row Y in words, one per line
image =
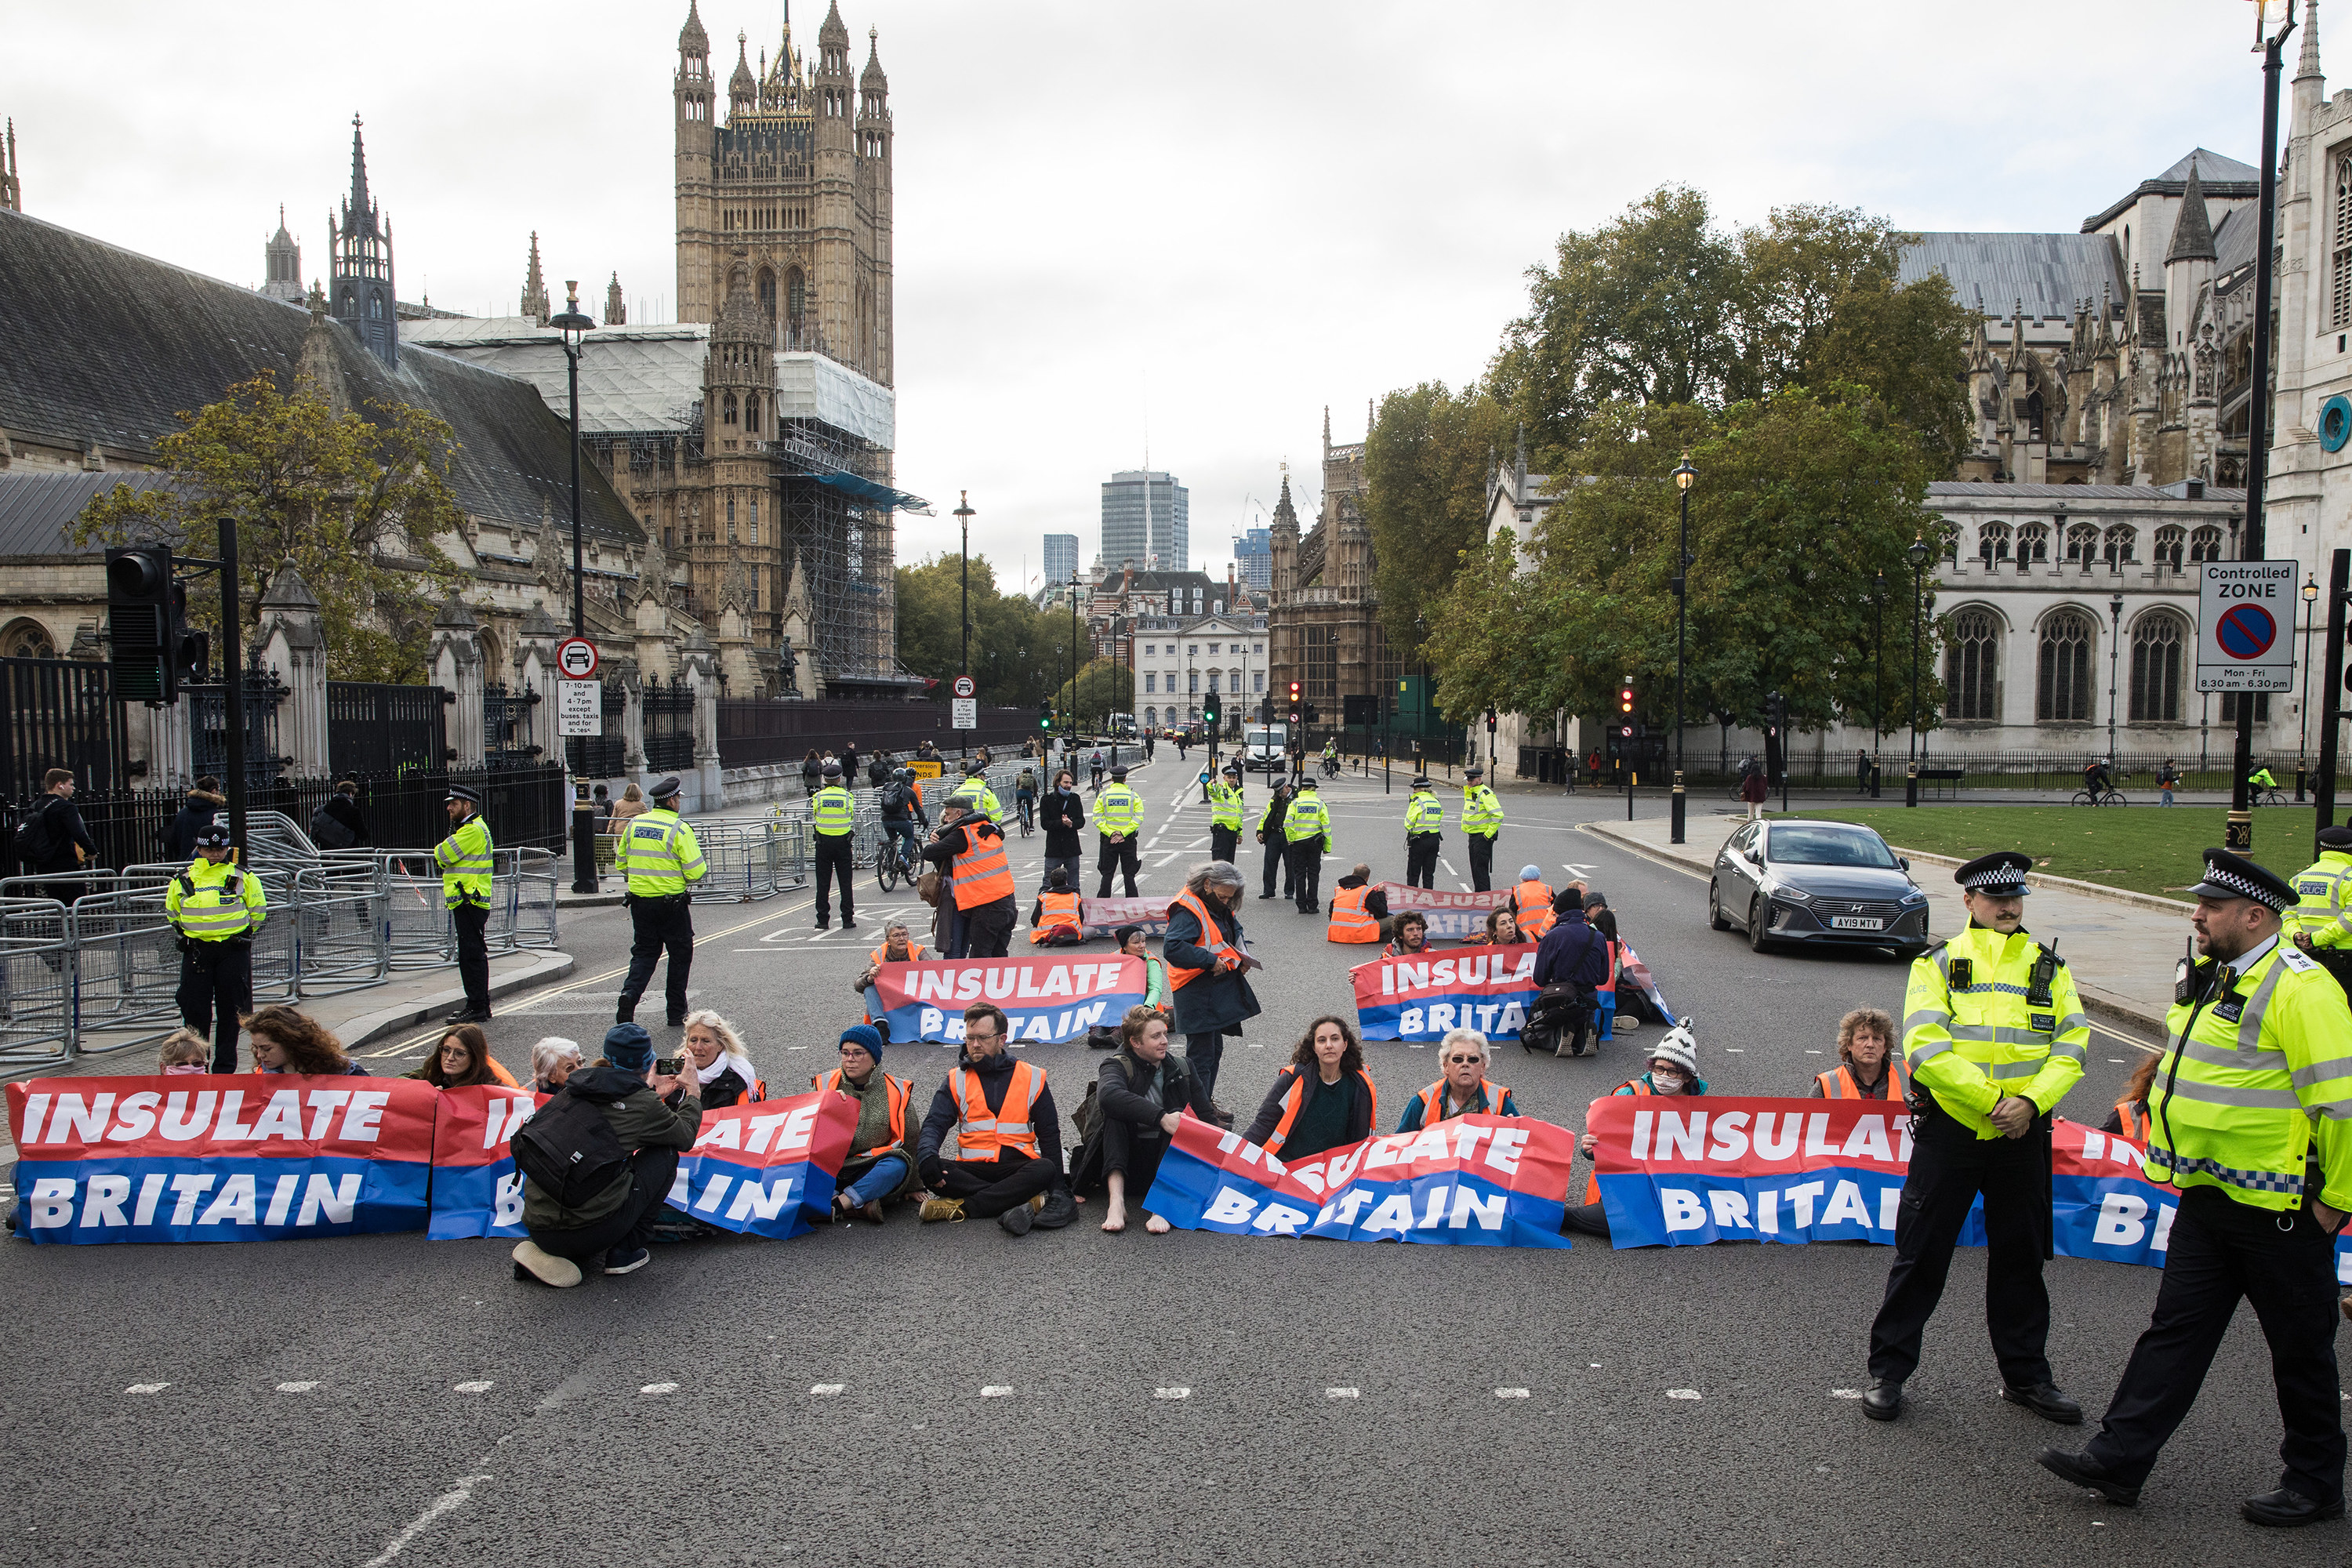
column 996, row 1076
column 346, row 810
column 1269, row 1110
column 196, row 815
column 1062, row 815
column 1572, row 954
column 1123, row 1093
column 63, row 824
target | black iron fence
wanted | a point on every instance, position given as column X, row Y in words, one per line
column 507, row 726
column 601, row 756
column 59, row 713
column 383, row 730
column 670, row 726
column 208, row 727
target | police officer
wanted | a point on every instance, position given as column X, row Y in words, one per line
column 1306, row 830
column 465, row 858
column 1118, row 817
column 1226, row 815
column 659, row 857
column 1994, row 1035
column 975, row 789
column 1269, row 833
column 215, row 908
column 2321, row 925
column 1481, row 820
column 1424, row 820
column 832, row 814
column 2249, row 1115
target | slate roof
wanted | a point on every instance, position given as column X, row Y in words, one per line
column 2053, row 273
column 35, row 508
column 99, row 343
column 2220, row 176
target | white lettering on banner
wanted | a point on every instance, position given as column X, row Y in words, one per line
column 2123, row 1220
column 338, row 1200
column 1395, row 1214
column 2162, row 1240
column 76, row 1122
column 237, row 1201
column 233, row 1205
column 507, row 1204
column 37, row 1107
column 281, row 1199
column 1730, row 1208
column 503, row 1117
column 51, row 1203
column 1230, row 1207
column 326, row 1102
column 151, row 1193
column 1469, row 1205
column 1281, row 1219
column 102, row 1205
column 1845, row 1203
column 755, row 1201
column 1682, row 1207
column 136, row 1116
column 1730, row 1137
column 190, row 1188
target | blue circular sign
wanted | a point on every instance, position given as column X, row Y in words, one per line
column 2246, row 631
column 2335, row 423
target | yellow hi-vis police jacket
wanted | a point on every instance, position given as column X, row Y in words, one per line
column 2255, row 1072
column 466, row 859
column 2324, row 886
column 659, row 854
column 215, row 901
column 1974, row 1044
column 1226, row 807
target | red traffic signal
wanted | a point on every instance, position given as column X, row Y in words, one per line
column 1625, row 695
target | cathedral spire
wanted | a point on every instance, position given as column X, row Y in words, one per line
column 358, row 168
column 616, row 309
column 12, row 185
column 534, row 285
column 2192, row 232
column 2307, row 63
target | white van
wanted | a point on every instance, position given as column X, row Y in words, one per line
column 1266, row 748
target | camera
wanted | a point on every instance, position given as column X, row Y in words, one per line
column 669, row 1067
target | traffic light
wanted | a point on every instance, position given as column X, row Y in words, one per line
column 1625, row 696
column 1209, row 709
column 1310, row 713
column 1490, row 718
column 1045, row 715
column 144, row 615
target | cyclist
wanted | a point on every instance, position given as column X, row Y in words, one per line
column 2095, row 778
column 1025, row 798
column 902, row 808
column 1331, row 759
column 2261, row 780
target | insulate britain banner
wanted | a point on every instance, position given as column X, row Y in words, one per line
column 1452, row 916
column 754, row 1168
column 1476, row 1181
column 1418, row 999
column 1048, row 999
column 242, row 1157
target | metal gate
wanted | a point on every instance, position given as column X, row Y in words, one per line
column 601, row 756
column 57, row 714
column 506, row 726
column 670, row 726
column 379, row 729
column 208, row 728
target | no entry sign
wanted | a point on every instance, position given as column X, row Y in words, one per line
column 576, row 657
column 2245, row 610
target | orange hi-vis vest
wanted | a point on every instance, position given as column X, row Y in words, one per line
column 2133, row 1115
column 1433, row 1100
column 983, row 874
column 1211, row 938
column 914, row 953
column 1608, row 986
column 1349, row 920
column 900, row 1091
column 1531, row 901
column 1839, row 1082
column 1060, row 911
column 1296, row 1097
column 983, row 1133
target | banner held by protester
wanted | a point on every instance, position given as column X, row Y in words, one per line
column 1418, row 999
column 765, row 1167
column 1047, row 999
column 476, row 1191
column 1452, row 916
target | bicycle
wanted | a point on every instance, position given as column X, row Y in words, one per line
column 2262, row 795
column 1027, row 808
column 1331, row 767
column 890, row 864
column 2110, row 796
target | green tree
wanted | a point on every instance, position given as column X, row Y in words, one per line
column 1425, row 468
column 352, row 500
column 1018, row 653
column 1104, row 687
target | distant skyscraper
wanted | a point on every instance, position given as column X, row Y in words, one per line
column 1061, row 557
column 1254, row 557
column 1124, row 522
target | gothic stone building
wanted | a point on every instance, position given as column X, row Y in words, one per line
column 1324, row 628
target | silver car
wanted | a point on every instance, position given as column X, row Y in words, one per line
column 1831, row 883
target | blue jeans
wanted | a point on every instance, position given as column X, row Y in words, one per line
column 881, row 1181
column 913, row 850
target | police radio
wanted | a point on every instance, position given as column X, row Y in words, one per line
column 2185, row 984
column 2045, row 969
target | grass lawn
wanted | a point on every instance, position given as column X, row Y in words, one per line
column 2147, row 849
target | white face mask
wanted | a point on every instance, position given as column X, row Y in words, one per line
column 1667, row 1079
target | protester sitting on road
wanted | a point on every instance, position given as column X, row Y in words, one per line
column 552, row 1062
column 184, row 1051
column 2130, row 1116
column 1357, row 909
column 1531, row 898
column 1463, row 1090
column 1323, row 1099
column 1609, row 1019
column 1055, row 918
column 1575, row 958
column 1008, row 1134
column 1502, row 929
column 1134, row 942
column 881, row 1161
column 1411, row 936
column 654, row 1116
column 716, row 1061
column 1865, row 1069
column 898, row 946
column 1673, row 1070
column 1140, row 1095
column 463, row 1060
column 286, row 1041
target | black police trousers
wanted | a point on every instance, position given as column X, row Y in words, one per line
column 834, row 861
column 1123, row 858
column 1421, row 859
column 2221, row 1250
column 1306, row 873
column 215, row 991
column 1225, row 844
column 471, row 922
column 1949, row 1166
column 1482, row 860
column 1277, row 862
column 658, row 924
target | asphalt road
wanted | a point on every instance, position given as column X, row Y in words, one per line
column 952, row 1394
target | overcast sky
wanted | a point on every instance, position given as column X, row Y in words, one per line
column 1197, row 224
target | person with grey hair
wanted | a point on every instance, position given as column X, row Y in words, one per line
column 1463, row 1090
column 552, row 1060
column 1208, row 967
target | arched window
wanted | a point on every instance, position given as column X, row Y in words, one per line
column 2123, row 538
column 2157, row 642
column 1992, row 542
column 2082, row 544
column 2205, row 543
column 768, row 297
column 1151, row 718
column 795, row 297
column 752, row 412
column 1972, row 666
column 2033, row 542
column 27, row 640
column 1213, row 683
column 2063, row 687
column 727, row 409
column 2171, row 545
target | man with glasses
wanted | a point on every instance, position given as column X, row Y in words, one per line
column 1463, row 1092
column 1008, row 1136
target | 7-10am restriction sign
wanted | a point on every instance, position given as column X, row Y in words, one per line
column 2246, row 613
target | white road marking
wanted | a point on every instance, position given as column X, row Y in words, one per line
column 658, row 1388
column 456, row 1497
column 1511, row 1393
column 1811, row 1052
column 1343, row 1393
column 996, row 1391
column 827, row 1390
column 1682, row 1393
column 484, row 1386
column 1845, row 1393
column 147, row 1388
column 1596, row 1366
column 1742, row 1050
column 1179, row 1392
column 297, row 1387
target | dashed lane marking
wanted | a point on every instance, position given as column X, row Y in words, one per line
column 996, row 1391
column 482, row 1385
column 147, row 1388
column 1343, row 1393
column 827, row 1390
column 1511, row 1393
column 1179, row 1392
column 303, row 1388
column 1845, row 1393
column 658, row 1388
column 1683, row 1394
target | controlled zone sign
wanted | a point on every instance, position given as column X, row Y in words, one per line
column 2245, row 610
column 579, row 708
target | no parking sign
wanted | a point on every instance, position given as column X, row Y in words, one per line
column 2245, row 610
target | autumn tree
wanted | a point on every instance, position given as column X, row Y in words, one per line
column 353, row 501
column 1426, row 470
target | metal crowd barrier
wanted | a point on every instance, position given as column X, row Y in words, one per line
column 36, row 1024
column 339, row 929
column 522, row 899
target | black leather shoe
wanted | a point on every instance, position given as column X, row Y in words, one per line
column 1883, row 1400
column 2081, row 1470
column 2285, row 1509
column 2046, row 1400
column 468, row 1015
column 1018, row 1219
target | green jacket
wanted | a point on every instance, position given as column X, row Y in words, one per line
column 640, row 1121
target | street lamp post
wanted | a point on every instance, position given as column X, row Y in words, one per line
column 1070, row 744
column 2115, row 657
column 2303, row 706
column 575, row 326
column 1918, row 554
column 1683, row 477
column 963, row 660
column 1877, row 658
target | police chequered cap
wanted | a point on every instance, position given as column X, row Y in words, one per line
column 2335, row 838
column 664, row 789
column 1306, row 783
column 466, row 792
column 830, row 770
column 2228, row 876
column 213, row 837
column 1421, row 781
column 1233, row 770
column 1473, row 772
column 1119, row 771
column 2000, row 875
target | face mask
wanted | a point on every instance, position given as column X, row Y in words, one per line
column 1666, row 1079
column 1067, row 789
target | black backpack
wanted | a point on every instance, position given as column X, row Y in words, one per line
column 35, row 843
column 328, row 831
column 569, row 1150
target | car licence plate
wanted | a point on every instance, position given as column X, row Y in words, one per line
column 1855, row 923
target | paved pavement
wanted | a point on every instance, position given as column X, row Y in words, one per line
column 951, row 1394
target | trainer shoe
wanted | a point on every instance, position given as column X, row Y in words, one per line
column 627, row 1259
column 1018, row 1219
column 534, row 1262
column 936, row 1209
column 1060, row 1207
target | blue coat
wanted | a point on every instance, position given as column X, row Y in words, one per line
column 1572, row 954
column 1212, row 1003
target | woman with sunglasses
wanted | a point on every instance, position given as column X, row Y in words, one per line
column 1463, row 1092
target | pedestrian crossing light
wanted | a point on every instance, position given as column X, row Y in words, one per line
column 1044, row 715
